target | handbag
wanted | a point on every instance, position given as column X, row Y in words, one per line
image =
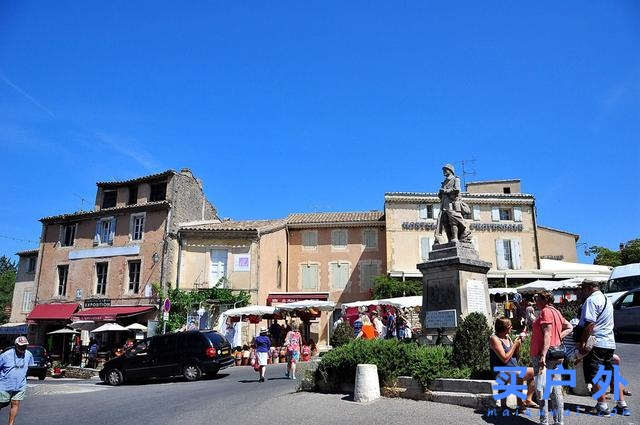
column 559, row 352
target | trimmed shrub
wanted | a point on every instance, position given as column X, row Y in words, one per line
column 524, row 359
column 342, row 334
column 393, row 359
column 471, row 345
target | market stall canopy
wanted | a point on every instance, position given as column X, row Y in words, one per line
column 549, row 285
column 565, row 269
column 307, row 304
column 502, row 291
column 361, row 303
column 63, row 331
column 15, row 328
column 137, row 327
column 402, row 302
column 104, row 314
column 250, row 310
column 52, row 311
column 110, row 327
column 83, row 325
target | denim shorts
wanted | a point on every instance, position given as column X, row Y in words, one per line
column 7, row 396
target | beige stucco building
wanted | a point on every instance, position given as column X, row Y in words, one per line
column 503, row 224
column 24, row 289
column 557, row 244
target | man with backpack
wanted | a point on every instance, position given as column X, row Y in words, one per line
column 596, row 342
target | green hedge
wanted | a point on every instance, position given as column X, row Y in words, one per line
column 393, row 359
column 471, row 345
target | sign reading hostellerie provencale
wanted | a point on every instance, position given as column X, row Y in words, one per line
column 489, row 227
column 441, row 319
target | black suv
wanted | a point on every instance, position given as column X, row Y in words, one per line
column 40, row 360
column 189, row 354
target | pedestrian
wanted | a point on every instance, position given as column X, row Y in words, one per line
column 274, row 330
column 93, row 352
column 357, row 326
column 263, row 344
column 368, row 331
column 293, row 342
column 391, row 325
column 338, row 322
column 504, row 353
column 381, row 330
column 597, row 342
column 14, row 364
column 548, row 331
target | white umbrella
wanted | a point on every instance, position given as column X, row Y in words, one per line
column 83, row 325
column 110, row 327
column 63, row 331
column 137, row 327
column 307, row 304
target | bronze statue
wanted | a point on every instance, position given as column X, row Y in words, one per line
column 451, row 209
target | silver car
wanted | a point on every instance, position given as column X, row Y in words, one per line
column 626, row 313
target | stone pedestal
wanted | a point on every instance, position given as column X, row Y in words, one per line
column 453, row 278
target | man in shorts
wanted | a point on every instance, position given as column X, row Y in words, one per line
column 596, row 323
column 14, row 364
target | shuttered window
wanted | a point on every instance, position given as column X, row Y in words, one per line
column 339, row 274
column 63, row 273
column 508, row 254
column 309, row 239
column 368, row 272
column 517, row 214
column 105, row 231
column 26, row 301
column 425, row 247
column 426, row 212
column 370, row 238
column 134, row 276
column 101, row 278
column 339, row 239
column 137, row 226
column 309, row 276
column 476, row 212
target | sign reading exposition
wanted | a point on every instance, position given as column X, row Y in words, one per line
column 441, row 319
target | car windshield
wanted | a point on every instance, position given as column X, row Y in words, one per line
column 623, row 284
column 36, row 351
column 215, row 338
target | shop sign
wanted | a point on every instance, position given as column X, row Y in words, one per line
column 489, row 227
column 242, row 263
column 97, row 302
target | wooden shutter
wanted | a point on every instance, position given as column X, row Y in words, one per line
column 476, row 212
column 502, row 263
column 423, row 212
column 112, row 230
column 495, row 214
column 517, row 214
column 425, row 247
column 436, row 211
column 96, row 238
column 515, row 254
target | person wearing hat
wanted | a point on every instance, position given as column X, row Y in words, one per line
column 451, row 209
column 596, row 341
column 263, row 344
column 14, row 364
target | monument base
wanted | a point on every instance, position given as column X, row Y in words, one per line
column 454, row 281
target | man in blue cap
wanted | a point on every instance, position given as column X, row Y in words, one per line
column 14, row 364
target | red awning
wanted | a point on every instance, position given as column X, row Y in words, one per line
column 105, row 314
column 52, row 311
column 290, row 297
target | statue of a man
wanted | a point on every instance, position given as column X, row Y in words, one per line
column 451, row 208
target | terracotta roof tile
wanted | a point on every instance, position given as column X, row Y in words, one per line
column 27, row 252
column 105, row 211
column 235, row 225
column 137, row 179
column 335, row 217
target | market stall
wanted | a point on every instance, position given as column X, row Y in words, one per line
column 306, row 310
column 64, row 334
column 230, row 322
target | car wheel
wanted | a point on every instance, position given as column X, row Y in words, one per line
column 192, row 372
column 114, row 377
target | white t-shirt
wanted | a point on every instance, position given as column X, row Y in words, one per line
column 380, row 328
column 603, row 329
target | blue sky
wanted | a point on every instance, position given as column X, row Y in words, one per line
column 302, row 106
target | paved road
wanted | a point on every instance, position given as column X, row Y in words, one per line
column 235, row 397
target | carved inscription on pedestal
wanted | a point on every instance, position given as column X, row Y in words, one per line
column 476, row 300
column 440, row 294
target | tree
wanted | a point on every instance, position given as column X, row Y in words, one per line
column 630, row 253
column 388, row 287
column 7, row 282
column 185, row 302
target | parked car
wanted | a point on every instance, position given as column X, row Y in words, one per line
column 623, row 279
column 626, row 313
column 41, row 360
column 189, row 354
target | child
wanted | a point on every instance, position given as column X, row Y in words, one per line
column 305, row 352
column 246, row 355
column 237, row 354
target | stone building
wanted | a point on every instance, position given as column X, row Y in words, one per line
column 110, row 257
column 333, row 256
column 24, row 289
column 557, row 244
column 503, row 224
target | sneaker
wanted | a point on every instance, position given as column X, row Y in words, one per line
column 622, row 409
column 601, row 410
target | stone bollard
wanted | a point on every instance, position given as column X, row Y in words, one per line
column 367, row 387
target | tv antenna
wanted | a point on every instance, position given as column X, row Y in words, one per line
column 468, row 167
column 82, row 200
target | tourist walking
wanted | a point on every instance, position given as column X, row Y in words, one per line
column 368, row 331
column 293, row 342
column 381, row 330
column 14, row 364
column 597, row 343
column 548, row 331
column 263, row 344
